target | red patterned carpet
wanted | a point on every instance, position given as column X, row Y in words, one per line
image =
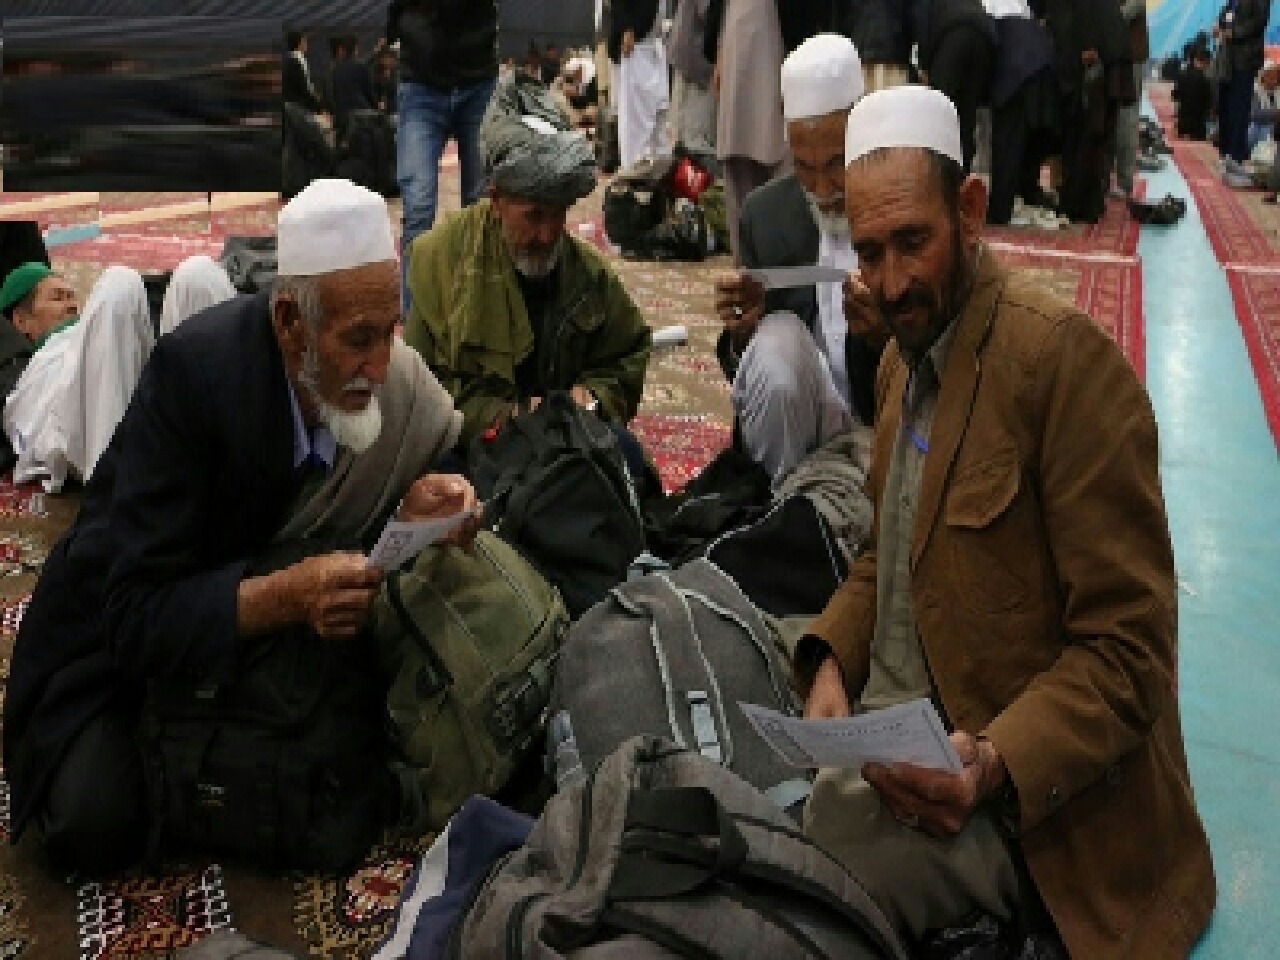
column 1108, row 289
column 1257, row 298
column 1235, row 235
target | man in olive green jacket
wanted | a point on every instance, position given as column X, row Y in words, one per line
column 505, row 304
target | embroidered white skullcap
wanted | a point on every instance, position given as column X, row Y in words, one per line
column 821, row 76
column 908, row 116
column 332, row 225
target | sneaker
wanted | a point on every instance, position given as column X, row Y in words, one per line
column 1043, row 219
column 1150, row 162
column 1231, row 165
column 1021, row 214
column 1236, row 181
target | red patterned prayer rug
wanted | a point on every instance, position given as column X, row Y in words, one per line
column 680, row 445
column 151, row 917
column 144, row 252
column 1236, row 236
column 1108, row 289
column 343, row 918
column 1257, row 298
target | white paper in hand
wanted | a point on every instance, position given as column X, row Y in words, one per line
column 401, row 540
column 906, row 733
column 775, row 278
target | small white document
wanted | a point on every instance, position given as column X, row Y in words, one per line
column 775, row 278
column 403, row 540
column 908, row 732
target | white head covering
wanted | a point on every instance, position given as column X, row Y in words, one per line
column 116, row 340
column 909, row 116
column 821, row 76
column 332, row 225
column 197, row 283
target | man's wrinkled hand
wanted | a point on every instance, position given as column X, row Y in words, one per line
column 740, row 305
column 937, row 801
column 438, row 496
column 827, row 697
column 334, row 592
column 861, row 313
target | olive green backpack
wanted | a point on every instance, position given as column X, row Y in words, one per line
column 469, row 638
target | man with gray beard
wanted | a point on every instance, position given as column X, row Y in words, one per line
column 506, row 305
column 802, row 374
column 264, row 428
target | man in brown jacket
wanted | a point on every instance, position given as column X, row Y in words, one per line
column 1021, row 576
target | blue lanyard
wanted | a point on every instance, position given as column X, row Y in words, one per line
column 921, row 443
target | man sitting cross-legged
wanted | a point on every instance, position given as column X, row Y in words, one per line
column 262, row 420
column 801, row 373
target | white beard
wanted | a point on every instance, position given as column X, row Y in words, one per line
column 358, row 430
column 537, row 269
column 834, row 224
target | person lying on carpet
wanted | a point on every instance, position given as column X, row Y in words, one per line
column 266, row 419
column 505, row 304
column 801, row 360
column 1021, row 578
column 61, row 413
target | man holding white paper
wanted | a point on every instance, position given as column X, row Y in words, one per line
column 1021, row 578
column 801, row 368
column 267, row 442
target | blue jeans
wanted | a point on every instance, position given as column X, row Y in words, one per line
column 430, row 118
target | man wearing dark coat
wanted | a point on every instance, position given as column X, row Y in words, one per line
column 266, row 419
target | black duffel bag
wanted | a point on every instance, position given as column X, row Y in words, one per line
column 284, row 762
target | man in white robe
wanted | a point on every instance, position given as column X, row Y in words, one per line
column 801, row 376
column 642, row 90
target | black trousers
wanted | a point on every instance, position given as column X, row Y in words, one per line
column 1084, row 159
column 961, row 68
column 95, row 818
column 1016, row 157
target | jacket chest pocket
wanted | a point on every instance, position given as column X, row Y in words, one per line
column 991, row 558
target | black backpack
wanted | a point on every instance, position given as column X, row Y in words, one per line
column 284, row 762
column 556, row 487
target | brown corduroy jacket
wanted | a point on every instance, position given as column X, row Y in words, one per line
column 1045, row 596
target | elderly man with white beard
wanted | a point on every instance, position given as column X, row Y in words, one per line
column 264, row 429
column 802, row 373
column 506, row 304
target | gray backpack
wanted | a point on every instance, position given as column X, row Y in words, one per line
column 661, row 853
column 671, row 655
